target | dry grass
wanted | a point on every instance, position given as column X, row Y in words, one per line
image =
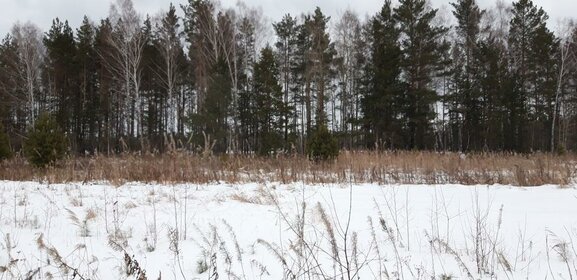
column 355, row 167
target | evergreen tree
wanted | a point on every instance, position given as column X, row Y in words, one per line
column 301, row 73
column 389, row 82
column 246, row 103
column 61, row 78
column 545, row 52
column 495, row 85
column 153, row 91
column 12, row 109
column 320, row 61
column 269, row 104
column 86, row 57
column 322, row 145
column 5, row 151
column 286, row 51
column 46, row 142
column 200, row 31
column 170, row 68
column 529, row 40
column 383, row 101
column 212, row 117
column 422, row 56
column 467, row 99
column 109, row 109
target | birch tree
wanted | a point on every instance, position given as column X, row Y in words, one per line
column 128, row 43
column 566, row 65
column 28, row 39
column 348, row 31
column 168, row 43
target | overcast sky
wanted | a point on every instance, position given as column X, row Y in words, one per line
column 42, row 12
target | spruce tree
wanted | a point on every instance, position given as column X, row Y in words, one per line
column 270, row 106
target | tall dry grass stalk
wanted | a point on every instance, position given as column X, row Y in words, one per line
column 350, row 167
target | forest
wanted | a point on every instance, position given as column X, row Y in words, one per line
column 200, row 77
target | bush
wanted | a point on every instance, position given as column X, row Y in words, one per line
column 322, row 145
column 46, row 142
column 5, row 151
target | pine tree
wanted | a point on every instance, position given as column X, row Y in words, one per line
column 110, row 103
column 467, row 98
column 170, row 70
column 86, row 58
column 302, row 87
column 12, row 93
column 61, row 78
column 545, row 52
column 529, row 40
column 246, row 100
column 320, row 60
column 286, row 50
column 494, row 84
column 422, row 56
column 201, row 31
column 212, row 117
column 46, row 142
column 383, row 100
column 154, row 91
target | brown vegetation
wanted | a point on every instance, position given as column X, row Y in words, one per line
column 350, row 167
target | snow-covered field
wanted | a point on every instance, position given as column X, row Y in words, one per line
column 275, row 231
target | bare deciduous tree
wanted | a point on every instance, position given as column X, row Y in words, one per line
column 28, row 39
column 168, row 43
column 128, row 42
column 566, row 64
column 348, row 31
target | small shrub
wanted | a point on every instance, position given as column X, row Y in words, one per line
column 561, row 150
column 322, row 145
column 5, row 152
column 46, row 143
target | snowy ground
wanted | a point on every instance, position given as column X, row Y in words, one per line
column 275, row 231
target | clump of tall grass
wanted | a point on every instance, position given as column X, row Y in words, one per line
column 400, row 167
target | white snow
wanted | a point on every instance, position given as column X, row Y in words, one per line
column 497, row 232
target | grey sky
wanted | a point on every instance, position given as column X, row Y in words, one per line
column 42, row 12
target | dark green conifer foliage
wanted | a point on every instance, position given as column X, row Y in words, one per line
column 466, row 103
column 270, row 107
column 383, row 100
column 5, row 151
column 422, row 58
column 63, row 80
column 322, row 145
column 46, row 143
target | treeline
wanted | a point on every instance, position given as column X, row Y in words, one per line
column 212, row 80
